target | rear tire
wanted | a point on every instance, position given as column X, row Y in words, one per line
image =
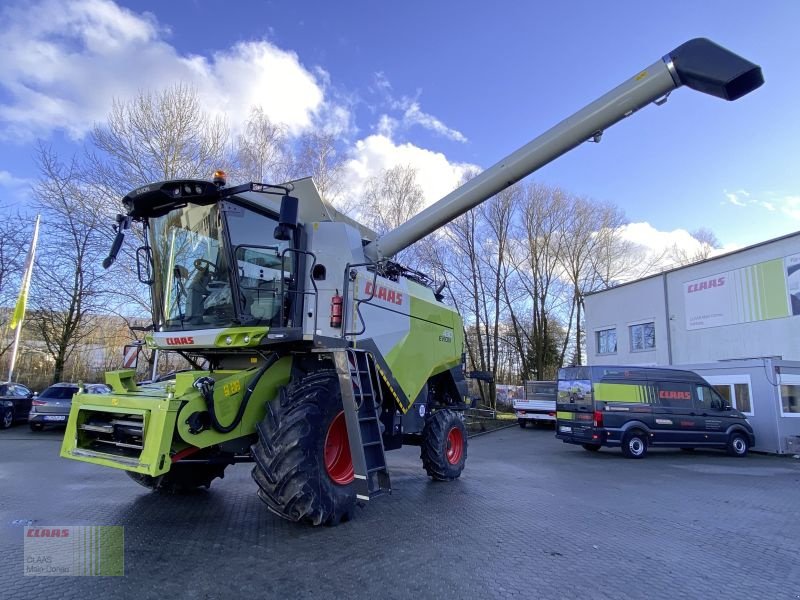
column 591, row 447
column 182, row 478
column 738, row 445
column 634, row 444
column 301, row 457
column 444, row 445
column 522, row 423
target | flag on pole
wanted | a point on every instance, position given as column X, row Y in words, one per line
column 19, row 309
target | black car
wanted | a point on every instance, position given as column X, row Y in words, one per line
column 15, row 403
column 52, row 407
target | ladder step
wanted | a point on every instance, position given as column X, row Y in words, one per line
column 375, row 470
column 365, row 444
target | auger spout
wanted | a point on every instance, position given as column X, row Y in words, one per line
column 699, row 64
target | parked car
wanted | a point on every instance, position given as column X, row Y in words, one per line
column 15, row 403
column 52, row 406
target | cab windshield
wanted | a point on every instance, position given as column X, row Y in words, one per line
column 194, row 283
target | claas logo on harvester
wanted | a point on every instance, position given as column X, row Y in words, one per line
column 383, row 293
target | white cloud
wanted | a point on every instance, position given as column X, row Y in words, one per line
column 656, row 250
column 411, row 113
column 436, row 175
column 738, row 198
column 772, row 201
column 64, row 62
column 13, row 189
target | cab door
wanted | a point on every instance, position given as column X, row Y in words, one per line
column 713, row 420
column 675, row 418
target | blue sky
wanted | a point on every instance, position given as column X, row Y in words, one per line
column 439, row 85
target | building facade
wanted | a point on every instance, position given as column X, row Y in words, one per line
column 735, row 319
column 743, row 304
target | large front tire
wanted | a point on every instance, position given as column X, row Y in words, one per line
column 303, row 466
column 444, row 445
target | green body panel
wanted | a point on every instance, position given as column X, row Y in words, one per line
column 226, row 406
column 122, row 381
column 159, row 414
column 164, row 409
column 433, row 344
column 620, row 392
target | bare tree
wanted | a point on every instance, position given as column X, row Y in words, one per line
column 589, row 229
column 470, row 254
column 540, row 236
column 391, row 198
column 263, row 152
column 497, row 215
column 156, row 136
column 319, row 159
column 706, row 241
column 67, row 282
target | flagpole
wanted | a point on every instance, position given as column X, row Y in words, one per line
column 19, row 310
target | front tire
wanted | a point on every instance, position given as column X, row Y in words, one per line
column 738, row 445
column 303, row 466
column 634, row 444
column 444, row 445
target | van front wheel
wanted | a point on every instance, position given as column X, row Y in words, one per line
column 737, row 445
column 634, row 444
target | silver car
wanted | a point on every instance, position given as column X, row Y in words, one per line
column 52, row 406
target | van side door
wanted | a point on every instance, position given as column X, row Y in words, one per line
column 676, row 422
column 713, row 420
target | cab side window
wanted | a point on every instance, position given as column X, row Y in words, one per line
column 708, row 398
column 674, row 395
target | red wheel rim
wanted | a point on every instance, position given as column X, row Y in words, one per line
column 338, row 462
column 455, row 446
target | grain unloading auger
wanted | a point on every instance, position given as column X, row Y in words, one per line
column 319, row 352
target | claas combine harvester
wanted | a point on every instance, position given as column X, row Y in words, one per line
column 319, row 352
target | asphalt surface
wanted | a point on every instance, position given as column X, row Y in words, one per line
column 530, row 518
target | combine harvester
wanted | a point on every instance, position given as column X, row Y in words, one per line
column 319, row 352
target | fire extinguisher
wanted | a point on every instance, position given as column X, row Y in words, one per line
column 336, row 310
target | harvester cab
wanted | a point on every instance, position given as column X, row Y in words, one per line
column 318, row 351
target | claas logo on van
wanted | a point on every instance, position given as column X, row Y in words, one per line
column 674, row 395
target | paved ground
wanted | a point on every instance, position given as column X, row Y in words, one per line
column 530, row 518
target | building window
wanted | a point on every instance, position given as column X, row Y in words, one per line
column 790, row 399
column 607, row 341
column 741, row 395
column 643, row 337
column 735, row 389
